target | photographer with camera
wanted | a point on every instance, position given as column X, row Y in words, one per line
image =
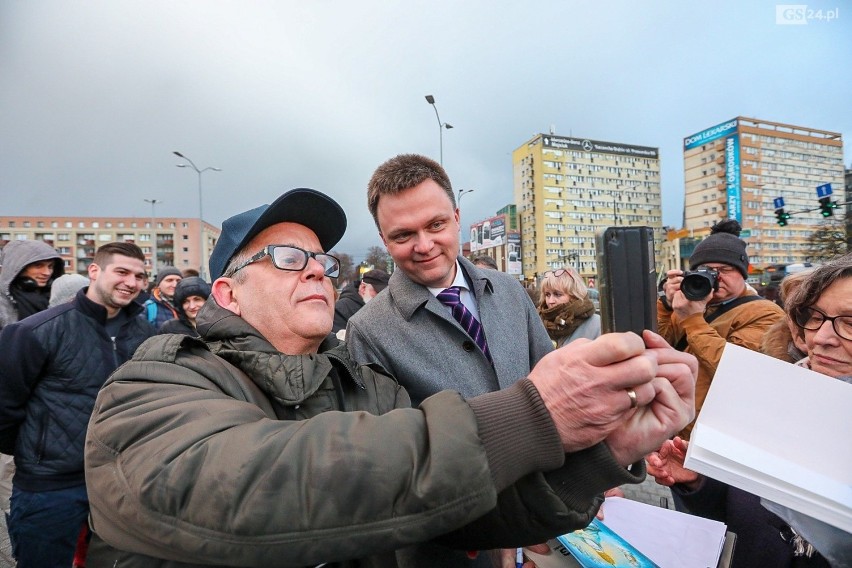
column 709, row 305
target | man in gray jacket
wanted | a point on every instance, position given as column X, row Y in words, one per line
column 416, row 337
column 263, row 444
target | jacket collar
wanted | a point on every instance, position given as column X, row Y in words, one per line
column 410, row 296
column 99, row 312
column 290, row 379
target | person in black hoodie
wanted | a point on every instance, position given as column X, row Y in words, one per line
column 190, row 295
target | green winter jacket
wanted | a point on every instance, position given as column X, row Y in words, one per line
column 230, row 453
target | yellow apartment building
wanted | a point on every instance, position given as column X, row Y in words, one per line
column 567, row 189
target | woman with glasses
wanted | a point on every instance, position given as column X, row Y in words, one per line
column 566, row 309
column 819, row 310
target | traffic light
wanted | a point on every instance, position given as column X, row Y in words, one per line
column 781, row 216
column 827, row 206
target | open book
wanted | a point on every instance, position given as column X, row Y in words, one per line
column 778, row 431
column 657, row 536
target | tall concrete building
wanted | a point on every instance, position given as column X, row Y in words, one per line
column 175, row 241
column 568, row 189
column 738, row 168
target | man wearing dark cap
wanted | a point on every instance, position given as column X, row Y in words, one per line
column 728, row 314
column 355, row 296
column 264, row 444
column 160, row 307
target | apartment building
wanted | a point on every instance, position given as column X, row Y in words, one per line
column 567, row 189
column 739, row 167
column 172, row 241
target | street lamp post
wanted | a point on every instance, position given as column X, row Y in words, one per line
column 441, row 126
column 153, row 203
column 192, row 165
column 461, row 192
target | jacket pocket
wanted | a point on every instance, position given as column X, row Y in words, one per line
column 41, row 444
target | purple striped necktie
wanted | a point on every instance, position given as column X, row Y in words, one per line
column 450, row 297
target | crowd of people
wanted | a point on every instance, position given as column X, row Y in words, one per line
column 435, row 416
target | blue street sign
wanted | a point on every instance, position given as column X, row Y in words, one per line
column 779, row 202
column 824, row 190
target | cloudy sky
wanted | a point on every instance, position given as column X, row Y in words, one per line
column 95, row 95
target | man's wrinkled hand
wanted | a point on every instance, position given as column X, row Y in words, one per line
column 671, row 408
column 584, row 386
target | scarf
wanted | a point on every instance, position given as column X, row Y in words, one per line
column 29, row 298
column 563, row 319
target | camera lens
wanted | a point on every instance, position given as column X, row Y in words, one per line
column 696, row 286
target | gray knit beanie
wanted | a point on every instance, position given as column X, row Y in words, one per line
column 167, row 271
column 724, row 246
column 65, row 288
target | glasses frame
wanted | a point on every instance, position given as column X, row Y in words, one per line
column 268, row 250
column 556, row 273
column 804, row 312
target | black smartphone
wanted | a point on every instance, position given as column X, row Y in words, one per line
column 627, row 279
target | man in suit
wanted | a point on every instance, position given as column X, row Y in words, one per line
column 411, row 333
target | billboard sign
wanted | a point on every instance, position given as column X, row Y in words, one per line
column 712, row 133
column 732, row 177
column 586, row 145
column 513, row 253
column 488, row 233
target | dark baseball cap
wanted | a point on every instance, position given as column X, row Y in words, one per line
column 378, row 279
column 316, row 211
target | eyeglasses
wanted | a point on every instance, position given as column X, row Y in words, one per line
column 812, row 319
column 724, row 269
column 556, row 273
column 294, row 259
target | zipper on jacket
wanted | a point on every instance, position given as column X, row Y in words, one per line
column 42, row 438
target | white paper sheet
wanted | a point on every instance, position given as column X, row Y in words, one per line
column 669, row 538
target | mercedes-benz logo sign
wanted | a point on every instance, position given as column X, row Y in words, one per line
column 587, row 146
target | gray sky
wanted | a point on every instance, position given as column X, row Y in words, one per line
column 95, row 95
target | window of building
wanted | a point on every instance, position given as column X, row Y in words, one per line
column 11, row 224
column 68, row 224
column 185, row 237
column 185, row 225
column 81, row 225
column 26, row 224
column 104, row 237
column 185, row 249
column 95, row 225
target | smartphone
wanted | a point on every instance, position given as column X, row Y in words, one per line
column 627, row 279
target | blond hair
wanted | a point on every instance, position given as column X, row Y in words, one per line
column 568, row 282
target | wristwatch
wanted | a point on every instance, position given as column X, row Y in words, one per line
column 661, row 294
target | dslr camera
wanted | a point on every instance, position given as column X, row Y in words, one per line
column 697, row 284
